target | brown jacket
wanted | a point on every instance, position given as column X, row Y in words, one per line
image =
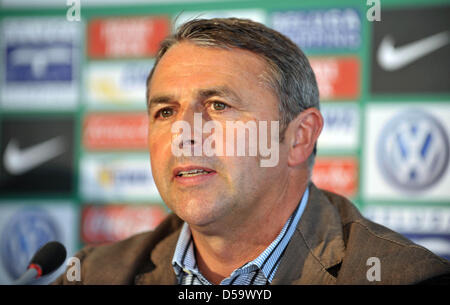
column 331, row 245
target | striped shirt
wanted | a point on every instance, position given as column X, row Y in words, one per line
column 259, row 271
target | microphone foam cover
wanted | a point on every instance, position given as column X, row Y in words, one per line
column 49, row 257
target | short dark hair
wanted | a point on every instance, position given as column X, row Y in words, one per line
column 289, row 73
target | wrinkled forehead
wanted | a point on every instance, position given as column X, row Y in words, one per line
column 186, row 60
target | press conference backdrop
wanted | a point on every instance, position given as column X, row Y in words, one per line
column 74, row 161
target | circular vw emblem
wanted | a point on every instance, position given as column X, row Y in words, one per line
column 413, row 150
column 27, row 231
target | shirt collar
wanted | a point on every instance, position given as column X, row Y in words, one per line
column 268, row 261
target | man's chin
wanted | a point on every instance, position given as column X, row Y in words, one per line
column 198, row 221
column 199, row 212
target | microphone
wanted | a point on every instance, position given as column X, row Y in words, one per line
column 46, row 260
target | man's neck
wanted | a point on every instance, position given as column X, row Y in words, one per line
column 219, row 254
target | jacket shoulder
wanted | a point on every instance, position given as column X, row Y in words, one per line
column 119, row 262
column 400, row 260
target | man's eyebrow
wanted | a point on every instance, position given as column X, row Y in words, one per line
column 200, row 94
column 161, row 99
column 221, row 91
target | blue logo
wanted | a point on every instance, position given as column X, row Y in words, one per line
column 27, row 231
column 39, row 62
column 320, row 29
column 342, row 118
column 134, row 75
column 413, row 150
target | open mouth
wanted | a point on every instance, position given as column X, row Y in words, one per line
column 193, row 172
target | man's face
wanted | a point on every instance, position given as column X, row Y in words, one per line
column 222, row 85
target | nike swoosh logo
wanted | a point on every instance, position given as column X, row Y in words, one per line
column 391, row 58
column 19, row 161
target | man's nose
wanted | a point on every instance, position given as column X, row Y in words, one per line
column 193, row 139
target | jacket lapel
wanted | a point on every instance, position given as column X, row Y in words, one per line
column 316, row 245
column 161, row 257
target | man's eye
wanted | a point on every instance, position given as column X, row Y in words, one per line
column 218, row 106
column 164, row 113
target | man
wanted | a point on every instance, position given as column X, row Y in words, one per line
column 235, row 221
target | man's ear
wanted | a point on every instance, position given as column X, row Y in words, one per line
column 303, row 133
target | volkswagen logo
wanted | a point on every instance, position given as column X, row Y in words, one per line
column 413, row 150
column 28, row 230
